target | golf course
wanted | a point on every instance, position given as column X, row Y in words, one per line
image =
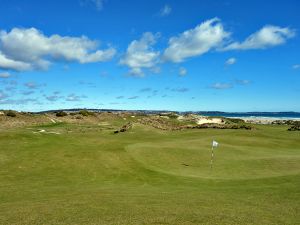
column 84, row 173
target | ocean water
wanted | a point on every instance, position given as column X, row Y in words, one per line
column 271, row 115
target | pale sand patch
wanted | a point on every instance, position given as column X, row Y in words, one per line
column 44, row 131
column 103, row 124
column 266, row 120
column 201, row 119
column 180, row 118
column 204, row 120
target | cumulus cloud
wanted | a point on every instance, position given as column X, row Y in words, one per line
column 230, row 61
column 182, row 71
column 194, row 42
column 266, row 37
column 5, row 75
column 27, row 49
column 140, row 55
column 165, row 11
column 221, row 86
column 10, row 64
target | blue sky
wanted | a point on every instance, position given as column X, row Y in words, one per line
column 173, row 55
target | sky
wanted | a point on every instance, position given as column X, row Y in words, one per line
column 199, row 55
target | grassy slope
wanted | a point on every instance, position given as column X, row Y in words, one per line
column 87, row 175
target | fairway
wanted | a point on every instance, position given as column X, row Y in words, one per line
column 85, row 174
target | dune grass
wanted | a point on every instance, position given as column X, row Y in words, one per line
column 88, row 175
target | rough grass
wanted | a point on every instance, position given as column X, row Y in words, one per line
column 87, row 175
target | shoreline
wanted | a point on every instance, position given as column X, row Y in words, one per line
column 264, row 120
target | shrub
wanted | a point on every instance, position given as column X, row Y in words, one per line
column 61, row 114
column 294, row 128
column 11, row 113
column 85, row 113
column 235, row 120
column 172, row 116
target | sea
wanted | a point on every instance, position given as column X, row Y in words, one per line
column 270, row 115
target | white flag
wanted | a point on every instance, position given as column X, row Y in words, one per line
column 214, row 144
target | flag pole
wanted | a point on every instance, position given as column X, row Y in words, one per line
column 212, row 157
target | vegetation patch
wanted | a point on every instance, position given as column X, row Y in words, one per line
column 86, row 113
column 11, row 113
column 61, row 114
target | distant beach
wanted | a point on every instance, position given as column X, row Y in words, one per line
column 265, row 120
column 257, row 117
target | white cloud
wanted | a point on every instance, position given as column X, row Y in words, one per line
column 266, row 37
column 5, row 75
column 221, row 86
column 194, row 42
column 10, row 64
column 165, row 11
column 26, row 49
column 182, row 71
column 230, row 61
column 140, row 54
column 297, row 66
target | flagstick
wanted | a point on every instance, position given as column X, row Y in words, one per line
column 212, row 157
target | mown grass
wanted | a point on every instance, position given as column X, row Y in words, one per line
column 88, row 175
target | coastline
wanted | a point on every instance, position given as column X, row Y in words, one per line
column 265, row 120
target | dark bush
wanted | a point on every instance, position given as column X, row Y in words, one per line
column 85, row 113
column 61, row 114
column 294, row 128
column 172, row 116
column 11, row 113
column 235, row 120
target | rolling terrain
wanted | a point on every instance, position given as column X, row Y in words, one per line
column 66, row 172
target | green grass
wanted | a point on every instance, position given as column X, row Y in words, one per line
column 87, row 175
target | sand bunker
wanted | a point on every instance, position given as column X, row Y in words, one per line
column 204, row 120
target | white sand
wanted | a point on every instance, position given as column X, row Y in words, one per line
column 264, row 120
column 204, row 120
column 46, row 132
column 201, row 119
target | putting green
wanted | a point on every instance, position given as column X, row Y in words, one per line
column 230, row 162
